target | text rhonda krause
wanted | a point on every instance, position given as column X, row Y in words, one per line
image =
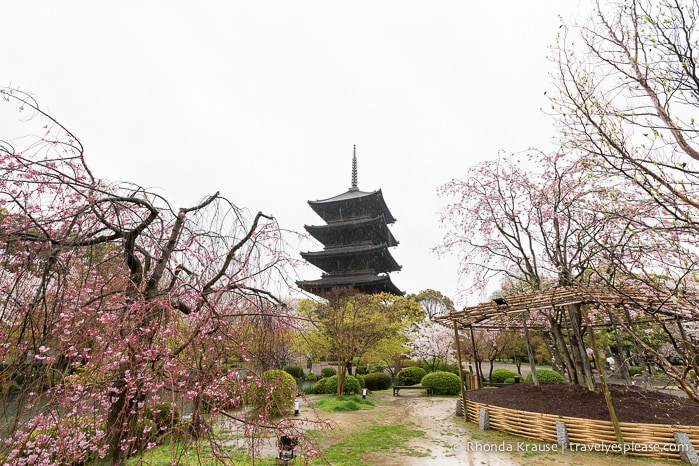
column 607, row 448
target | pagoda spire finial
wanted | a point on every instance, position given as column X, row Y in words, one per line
column 354, row 169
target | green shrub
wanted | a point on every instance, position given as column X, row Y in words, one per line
column 361, row 370
column 500, row 375
column 377, row 381
column 310, row 377
column 635, row 370
column 410, row 375
column 443, row 383
column 546, row 376
column 352, row 385
column 511, row 380
column 345, row 403
column 321, row 385
column 307, row 390
column 360, row 379
column 278, row 389
column 327, row 372
column 295, row 370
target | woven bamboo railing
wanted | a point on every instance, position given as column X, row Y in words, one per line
column 657, row 437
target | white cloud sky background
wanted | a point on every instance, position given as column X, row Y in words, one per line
column 264, row 100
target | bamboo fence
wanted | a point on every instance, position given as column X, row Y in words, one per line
column 648, row 440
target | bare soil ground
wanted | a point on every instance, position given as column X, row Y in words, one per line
column 632, row 404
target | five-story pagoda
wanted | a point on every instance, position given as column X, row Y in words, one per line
column 356, row 239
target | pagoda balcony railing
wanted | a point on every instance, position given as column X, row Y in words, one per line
column 350, row 273
column 354, row 243
column 348, row 218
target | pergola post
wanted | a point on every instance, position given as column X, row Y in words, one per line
column 603, row 379
column 461, row 369
column 530, row 352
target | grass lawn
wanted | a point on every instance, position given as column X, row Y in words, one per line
column 347, row 403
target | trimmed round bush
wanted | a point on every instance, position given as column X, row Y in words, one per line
column 321, row 385
column 278, row 389
column 352, row 385
column 377, row 381
column 294, row 370
column 360, row 379
column 410, row 375
column 546, row 376
column 327, row 372
column 310, row 377
column 500, row 375
column 511, row 380
column 443, row 383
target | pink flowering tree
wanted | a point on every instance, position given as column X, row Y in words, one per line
column 626, row 100
column 537, row 220
column 118, row 309
column 523, row 219
column 431, row 343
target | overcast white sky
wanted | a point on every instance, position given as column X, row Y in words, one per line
column 263, row 100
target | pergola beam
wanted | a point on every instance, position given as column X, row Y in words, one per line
column 556, row 297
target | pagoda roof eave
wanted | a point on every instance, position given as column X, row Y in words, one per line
column 351, row 196
column 324, row 233
column 365, row 282
column 378, row 253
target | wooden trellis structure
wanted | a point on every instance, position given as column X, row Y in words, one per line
column 552, row 298
column 557, row 297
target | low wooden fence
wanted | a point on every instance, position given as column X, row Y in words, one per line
column 649, row 440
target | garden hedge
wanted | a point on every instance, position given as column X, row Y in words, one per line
column 443, row 383
column 377, row 381
column 546, row 376
column 410, row 375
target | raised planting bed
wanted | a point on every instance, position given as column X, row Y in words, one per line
column 648, row 419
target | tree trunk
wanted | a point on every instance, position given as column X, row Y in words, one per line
column 121, row 422
column 623, row 364
column 562, row 350
column 577, row 347
column 341, row 370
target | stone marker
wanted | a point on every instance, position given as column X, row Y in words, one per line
column 687, row 451
column 484, row 423
column 562, row 433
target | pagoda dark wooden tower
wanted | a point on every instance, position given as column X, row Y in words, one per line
column 356, row 239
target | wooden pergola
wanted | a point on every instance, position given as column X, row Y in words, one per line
column 557, row 297
column 551, row 298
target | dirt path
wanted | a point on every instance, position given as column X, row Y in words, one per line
column 448, row 440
